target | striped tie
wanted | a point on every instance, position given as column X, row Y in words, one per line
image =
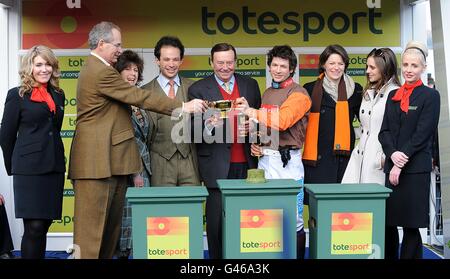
column 226, row 86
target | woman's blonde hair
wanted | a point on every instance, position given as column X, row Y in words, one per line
column 417, row 48
column 27, row 81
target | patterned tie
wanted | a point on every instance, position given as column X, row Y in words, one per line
column 171, row 89
column 226, row 86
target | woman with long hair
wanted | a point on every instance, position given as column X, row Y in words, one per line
column 32, row 147
column 367, row 159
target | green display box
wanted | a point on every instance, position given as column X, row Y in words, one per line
column 346, row 221
column 167, row 222
column 259, row 219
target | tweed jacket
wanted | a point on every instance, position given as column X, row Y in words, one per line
column 104, row 144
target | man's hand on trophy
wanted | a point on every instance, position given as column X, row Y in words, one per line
column 241, row 104
column 195, row 105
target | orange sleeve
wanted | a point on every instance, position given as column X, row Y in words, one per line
column 290, row 112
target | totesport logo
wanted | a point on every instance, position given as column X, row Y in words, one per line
column 168, row 237
column 261, row 230
column 351, row 233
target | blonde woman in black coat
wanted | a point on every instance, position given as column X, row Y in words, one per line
column 32, row 147
column 409, row 124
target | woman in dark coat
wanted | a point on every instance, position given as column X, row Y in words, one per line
column 336, row 99
column 32, row 147
column 409, row 124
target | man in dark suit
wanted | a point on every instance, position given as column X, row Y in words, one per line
column 104, row 151
column 222, row 159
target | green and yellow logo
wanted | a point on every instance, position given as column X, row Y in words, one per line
column 351, row 233
column 168, row 237
column 261, row 230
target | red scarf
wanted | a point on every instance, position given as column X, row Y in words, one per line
column 403, row 94
column 40, row 94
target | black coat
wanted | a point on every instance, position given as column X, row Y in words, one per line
column 30, row 134
column 330, row 168
column 214, row 158
column 411, row 133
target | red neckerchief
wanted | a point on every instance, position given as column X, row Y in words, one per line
column 40, row 94
column 403, row 93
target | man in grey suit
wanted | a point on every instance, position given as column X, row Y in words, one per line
column 223, row 159
column 172, row 163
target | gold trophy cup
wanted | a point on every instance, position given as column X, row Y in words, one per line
column 224, row 106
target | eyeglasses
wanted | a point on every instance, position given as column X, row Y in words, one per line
column 117, row 45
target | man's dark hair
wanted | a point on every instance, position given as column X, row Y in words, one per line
column 284, row 52
column 169, row 41
column 222, row 47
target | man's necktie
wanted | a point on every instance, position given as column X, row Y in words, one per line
column 171, row 89
column 226, row 86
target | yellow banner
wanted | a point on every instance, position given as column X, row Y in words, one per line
column 70, row 67
column 202, row 23
column 199, row 66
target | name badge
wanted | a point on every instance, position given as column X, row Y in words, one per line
column 412, row 108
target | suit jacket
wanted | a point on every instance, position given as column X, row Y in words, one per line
column 30, row 134
column 160, row 133
column 104, row 144
column 214, row 158
column 411, row 133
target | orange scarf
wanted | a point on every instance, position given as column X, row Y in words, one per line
column 40, row 94
column 403, row 94
column 341, row 128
